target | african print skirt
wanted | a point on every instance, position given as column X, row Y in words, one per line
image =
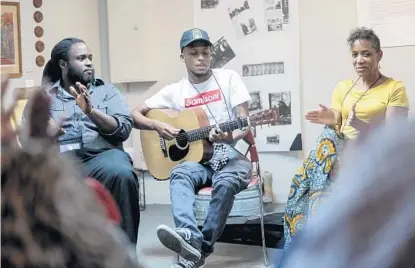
column 310, row 184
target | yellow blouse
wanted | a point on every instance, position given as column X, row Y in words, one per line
column 374, row 102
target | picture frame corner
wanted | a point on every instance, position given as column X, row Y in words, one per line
column 17, row 38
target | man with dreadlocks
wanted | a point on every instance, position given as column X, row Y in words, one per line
column 95, row 123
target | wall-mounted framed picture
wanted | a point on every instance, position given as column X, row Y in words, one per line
column 11, row 47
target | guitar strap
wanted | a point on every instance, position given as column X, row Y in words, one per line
column 220, row 152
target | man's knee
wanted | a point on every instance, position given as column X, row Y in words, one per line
column 184, row 170
column 116, row 155
column 238, row 173
column 121, row 175
column 232, row 182
column 118, row 165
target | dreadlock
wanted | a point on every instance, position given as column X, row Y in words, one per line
column 60, row 51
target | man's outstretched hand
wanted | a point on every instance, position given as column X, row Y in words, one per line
column 82, row 97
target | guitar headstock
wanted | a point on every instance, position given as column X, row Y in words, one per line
column 267, row 117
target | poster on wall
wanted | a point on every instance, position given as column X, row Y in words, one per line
column 390, row 19
column 207, row 4
column 260, row 41
column 273, row 15
column 241, row 17
column 222, row 53
column 11, row 54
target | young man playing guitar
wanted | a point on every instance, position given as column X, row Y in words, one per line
column 223, row 96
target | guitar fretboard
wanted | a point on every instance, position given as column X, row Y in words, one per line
column 203, row 133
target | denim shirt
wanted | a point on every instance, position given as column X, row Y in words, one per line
column 77, row 125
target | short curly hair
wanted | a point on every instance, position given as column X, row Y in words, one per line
column 363, row 33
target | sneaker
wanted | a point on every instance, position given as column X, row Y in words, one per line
column 189, row 264
column 178, row 240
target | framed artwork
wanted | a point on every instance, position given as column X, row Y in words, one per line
column 11, row 48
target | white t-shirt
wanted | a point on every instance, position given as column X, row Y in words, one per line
column 221, row 96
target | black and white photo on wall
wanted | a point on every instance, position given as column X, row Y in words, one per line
column 252, row 69
column 265, row 68
column 285, row 12
column 208, row 4
column 255, row 103
column 273, row 67
column 242, row 18
column 282, row 102
column 273, row 15
column 222, row 53
column 274, row 139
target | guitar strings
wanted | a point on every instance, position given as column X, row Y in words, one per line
column 185, row 136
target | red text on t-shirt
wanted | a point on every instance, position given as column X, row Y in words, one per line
column 203, row 98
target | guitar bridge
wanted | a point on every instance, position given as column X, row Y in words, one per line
column 163, row 147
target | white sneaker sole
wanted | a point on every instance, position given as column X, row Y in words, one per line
column 173, row 241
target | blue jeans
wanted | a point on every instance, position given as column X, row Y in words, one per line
column 187, row 178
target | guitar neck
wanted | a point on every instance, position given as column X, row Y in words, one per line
column 203, row 132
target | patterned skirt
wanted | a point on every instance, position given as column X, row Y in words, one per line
column 310, row 184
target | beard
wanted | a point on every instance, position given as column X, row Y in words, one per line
column 77, row 76
column 199, row 74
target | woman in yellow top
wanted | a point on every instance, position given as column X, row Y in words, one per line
column 357, row 105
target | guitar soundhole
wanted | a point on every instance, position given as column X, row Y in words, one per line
column 177, row 154
column 179, row 151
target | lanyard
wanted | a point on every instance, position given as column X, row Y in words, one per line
column 361, row 96
column 207, row 104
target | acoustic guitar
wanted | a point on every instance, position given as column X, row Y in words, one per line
column 192, row 143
